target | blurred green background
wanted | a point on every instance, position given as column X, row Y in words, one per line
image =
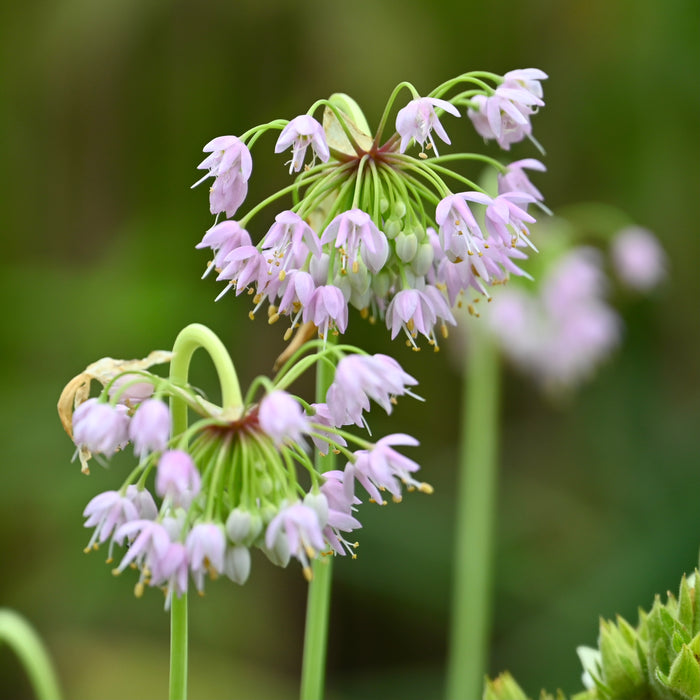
column 105, row 108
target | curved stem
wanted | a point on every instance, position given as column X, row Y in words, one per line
column 471, row 587
column 20, row 636
column 313, row 670
column 188, row 340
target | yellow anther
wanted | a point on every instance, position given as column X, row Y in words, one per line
column 282, row 275
column 307, row 573
column 251, row 315
column 410, row 325
column 138, row 589
column 250, row 291
column 288, row 333
column 356, row 266
column 426, row 488
column 396, row 499
column 257, row 298
column 364, row 312
column 273, row 318
column 444, row 331
column 422, row 155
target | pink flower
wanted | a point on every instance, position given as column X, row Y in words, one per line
column 340, row 506
column 505, row 220
column 300, row 527
column 106, row 512
column 282, row 418
column 289, row 242
column 245, row 265
column 460, row 234
column 515, row 180
column 383, row 468
column 231, row 164
column 300, row 133
column 149, row 543
column 505, row 115
column 134, row 394
column 149, row 428
column 416, row 312
column 418, row 119
column 327, row 307
column 355, row 233
column 222, row 239
column 170, row 571
column 359, row 378
column 206, row 546
column 323, row 417
column 177, row 478
column 100, row 427
column 638, row 258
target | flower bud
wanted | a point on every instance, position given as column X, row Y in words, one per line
column 406, row 246
column 423, row 259
column 237, row 564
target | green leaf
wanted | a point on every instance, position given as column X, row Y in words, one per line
column 684, row 675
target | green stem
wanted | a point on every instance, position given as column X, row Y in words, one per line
column 471, row 588
column 313, row 670
column 189, row 339
column 19, row 635
column 178, row 647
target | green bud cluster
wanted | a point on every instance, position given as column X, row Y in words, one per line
column 659, row 659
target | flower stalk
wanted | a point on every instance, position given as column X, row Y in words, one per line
column 19, row 635
column 474, row 529
column 313, row 669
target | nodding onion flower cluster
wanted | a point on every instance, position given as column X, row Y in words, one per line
column 398, row 236
column 238, row 477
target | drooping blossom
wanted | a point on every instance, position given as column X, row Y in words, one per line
column 149, row 428
column 327, row 308
column 301, row 132
column 417, row 120
column 506, row 220
column 149, row 542
column 289, row 241
column 355, row 233
column 170, row 572
column 418, row 311
column 230, row 164
column 106, row 512
column 206, row 547
column 299, row 525
column 221, row 239
column 341, row 501
column 515, row 179
column 177, row 478
column 100, row 427
column 460, row 234
column 383, row 468
column 244, row 266
column 282, row 418
column 359, row 378
column 638, row 258
column 505, row 115
column 130, row 392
